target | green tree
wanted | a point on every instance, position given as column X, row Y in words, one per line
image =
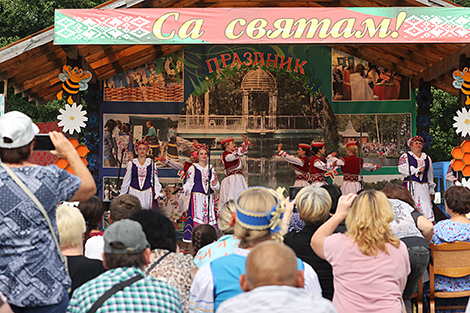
column 22, row 18
column 444, row 137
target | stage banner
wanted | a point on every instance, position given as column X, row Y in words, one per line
column 261, row 25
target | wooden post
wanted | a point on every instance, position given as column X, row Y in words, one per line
column 463, row 62
column 5, row 91
column 423, row 111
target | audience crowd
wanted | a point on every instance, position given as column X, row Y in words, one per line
column 364, row 252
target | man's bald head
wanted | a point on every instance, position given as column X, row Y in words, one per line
column 271, row 263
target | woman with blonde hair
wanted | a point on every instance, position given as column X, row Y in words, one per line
column 370, row 264
column 72, row 229
column 258, row 218
column 313, row 204
column 227, row 242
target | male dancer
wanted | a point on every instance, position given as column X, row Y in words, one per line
column 299, row 164
column 318, row 167
column 234, row 182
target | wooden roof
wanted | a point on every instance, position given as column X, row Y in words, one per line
column 32, row 65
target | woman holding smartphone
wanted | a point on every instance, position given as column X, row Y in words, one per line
column 27, row 244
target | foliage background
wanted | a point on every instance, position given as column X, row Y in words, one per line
column 21, row 18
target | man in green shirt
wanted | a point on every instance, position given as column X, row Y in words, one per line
column 152, row 130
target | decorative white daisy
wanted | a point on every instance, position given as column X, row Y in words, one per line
column 72, row 118
column 462, row 122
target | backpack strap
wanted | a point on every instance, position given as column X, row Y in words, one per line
column 147, row 272
column 118, row 287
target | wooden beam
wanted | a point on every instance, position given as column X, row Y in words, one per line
column 449, row 63
column 264, row 4
column 403, row 51
column 119, row 65
column 444, row 82
column 30, row 59
column 111, row 58
column 34, row 77
column 48, row 78
column 74, row 53
column 49, row 96
column 26, row 44
column 95, row 53
column 110, row 71
column 392, row 57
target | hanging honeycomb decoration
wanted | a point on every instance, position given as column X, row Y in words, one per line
column 461, row 161
column 82, row 152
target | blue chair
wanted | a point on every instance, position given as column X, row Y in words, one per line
column 440, row 171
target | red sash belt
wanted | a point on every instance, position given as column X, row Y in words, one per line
column 351, row 177
column 239, row 171
column 300, row 177
column 317, row 178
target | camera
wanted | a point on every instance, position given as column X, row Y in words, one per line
column 42, row 142
column 292, row 193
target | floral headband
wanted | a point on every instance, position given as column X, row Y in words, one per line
column 141, row 142
column 415, row 138
column 200, row 147
column 271, row 219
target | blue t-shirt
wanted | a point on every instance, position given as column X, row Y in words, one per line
column 448, row 231
column 31, row 271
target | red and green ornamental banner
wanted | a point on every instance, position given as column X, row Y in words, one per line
column 261, row 25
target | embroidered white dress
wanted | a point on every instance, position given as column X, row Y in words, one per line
column 421, row 191
column 202, row 208
column 144, row 194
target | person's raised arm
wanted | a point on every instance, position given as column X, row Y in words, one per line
column 288, row 212
column 318, row 238
column 64, row 149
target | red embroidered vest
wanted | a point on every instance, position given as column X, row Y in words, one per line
column 230, row 167
column 351, row 165
column 304, row 168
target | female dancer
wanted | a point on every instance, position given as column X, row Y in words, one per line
column 300, row 165
column 139, row 180
column 201, row 181
column 351, row 168
column 417, row 167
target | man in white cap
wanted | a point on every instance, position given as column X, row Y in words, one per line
column 126, row 253
column 234, row 181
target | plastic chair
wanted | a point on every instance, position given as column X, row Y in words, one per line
column 451, row 260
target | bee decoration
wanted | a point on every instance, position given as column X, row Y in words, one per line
column 462, row 82
column 74, row 80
